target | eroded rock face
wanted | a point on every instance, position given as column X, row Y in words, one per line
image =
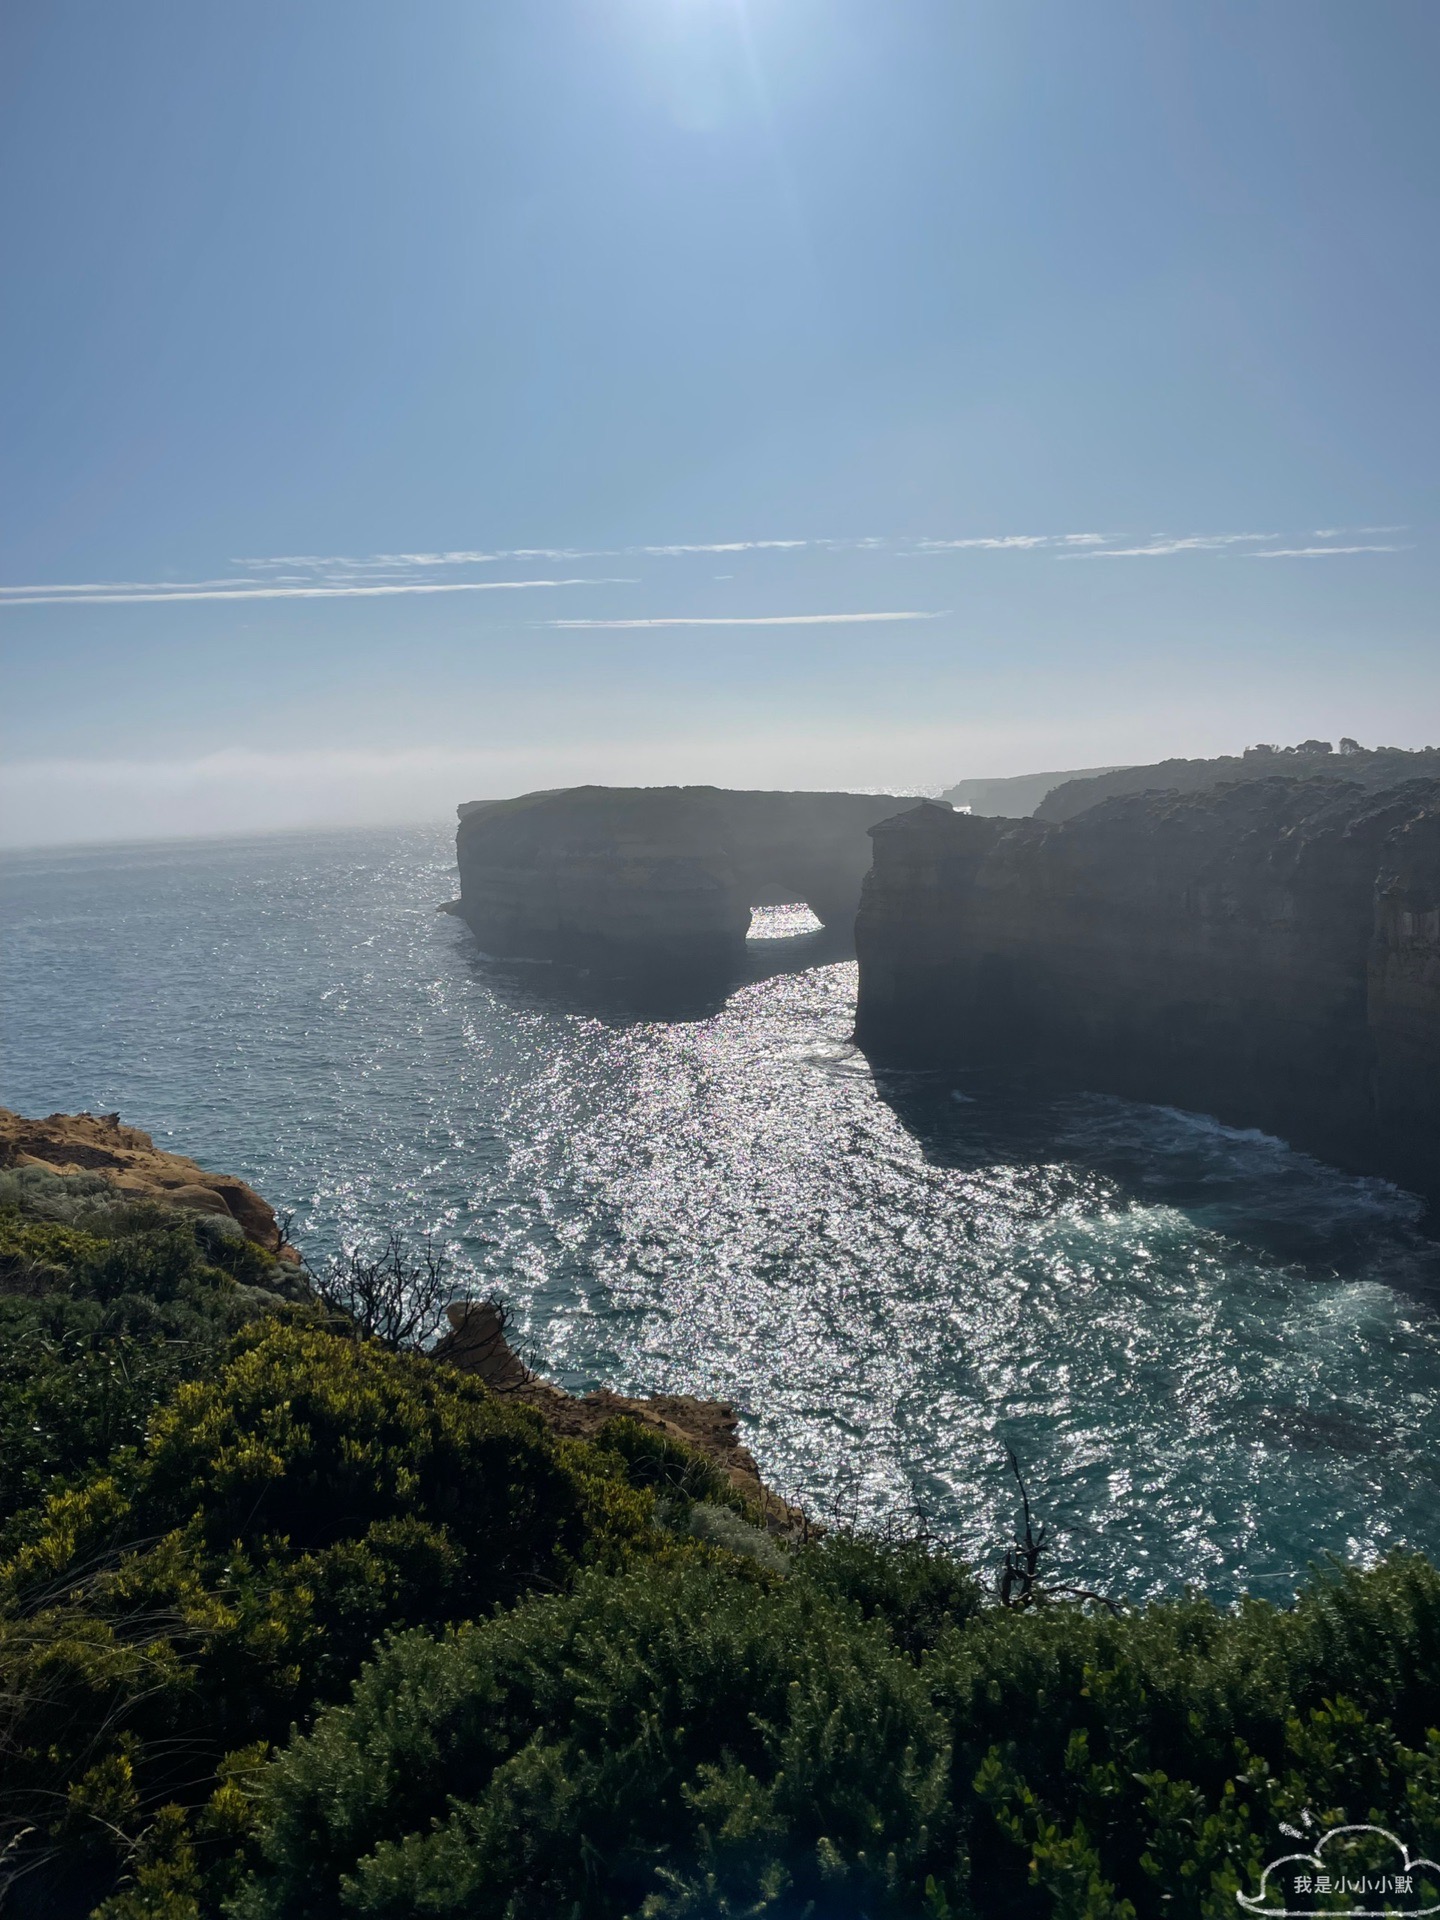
column 655, row 876
column 128, row 1160
column 476, row 1343
column 1268, row 952
column 1403, row 989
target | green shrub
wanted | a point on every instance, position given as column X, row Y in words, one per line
column 77, row 1199
column 666, row 1466
column 213, row 1585
column 686, row 1743
column 1155, row 1755
column 673, row 1741
column 99, row 1326
column 915, row 1592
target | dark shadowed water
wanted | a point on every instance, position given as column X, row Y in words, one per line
column 1216, row 1358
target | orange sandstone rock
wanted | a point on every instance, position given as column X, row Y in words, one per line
column 129, row 1161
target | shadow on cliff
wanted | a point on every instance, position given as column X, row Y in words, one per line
column 1092, row 1153
column 664, row 993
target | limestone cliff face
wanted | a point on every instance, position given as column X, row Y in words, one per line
column 1268, row 952
column 655, row 875
column 1403, row 989
column 128, row 1160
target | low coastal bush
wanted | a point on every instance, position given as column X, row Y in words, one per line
column 1143, row 1765
column 296, row 1627
column 915, row 1592
column 204, row 1590
column 668, row 1467
column 99, row 1324
column 690, row 1745
column 656, row 1741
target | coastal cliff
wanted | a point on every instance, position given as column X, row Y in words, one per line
column 1015, row 795
column 476, row 1343
column 288, row 1610
column 1268, row 952
column 655, row 876
column 1376, row 768
column 1403, row 986
column 100, row 1148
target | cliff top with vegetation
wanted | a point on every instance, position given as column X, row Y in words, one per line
column 295, row 1623
column 1373, row 767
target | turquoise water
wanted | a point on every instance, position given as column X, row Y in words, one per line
column 1216, row 1359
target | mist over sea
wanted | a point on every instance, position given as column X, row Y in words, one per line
column 1216, row 1359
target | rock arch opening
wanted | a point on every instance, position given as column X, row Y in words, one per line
column 670, row 877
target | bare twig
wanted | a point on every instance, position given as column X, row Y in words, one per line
column 1018, row 1576
column 393, row 1297
column 1019, row 1583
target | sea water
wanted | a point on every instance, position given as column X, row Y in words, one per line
column 1215, row 1359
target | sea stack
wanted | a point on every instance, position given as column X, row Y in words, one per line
column 638, row 879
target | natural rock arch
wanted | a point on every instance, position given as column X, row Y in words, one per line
column 656, row 877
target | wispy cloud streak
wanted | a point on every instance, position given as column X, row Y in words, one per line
column 754, row 620
column 156, row 596
column 1008, row 542
column 1339, row 533
column 300, row 576
column 1317, row 553
column 481, row 557
column 1107, row 546
column 1161, row 545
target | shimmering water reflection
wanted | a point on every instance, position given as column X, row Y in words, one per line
column 782, row 922
column 1216, row 1358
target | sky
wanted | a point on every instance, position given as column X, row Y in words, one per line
column 407, row 405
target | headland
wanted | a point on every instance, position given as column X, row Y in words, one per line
column 1267, row 952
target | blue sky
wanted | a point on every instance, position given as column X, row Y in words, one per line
column 406, row 404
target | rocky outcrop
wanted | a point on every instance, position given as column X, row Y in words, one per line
column 130, row 1162
column 1268, row 952
column 1374, row 767
column 477, row 1343
column 664, row 877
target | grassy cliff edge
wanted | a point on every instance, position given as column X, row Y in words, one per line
column 296, row 1624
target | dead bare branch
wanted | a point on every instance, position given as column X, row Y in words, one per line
column 394, row 1296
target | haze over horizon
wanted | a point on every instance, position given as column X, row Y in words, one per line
column 408, row 408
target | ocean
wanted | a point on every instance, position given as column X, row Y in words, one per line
column 1215, row 1359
